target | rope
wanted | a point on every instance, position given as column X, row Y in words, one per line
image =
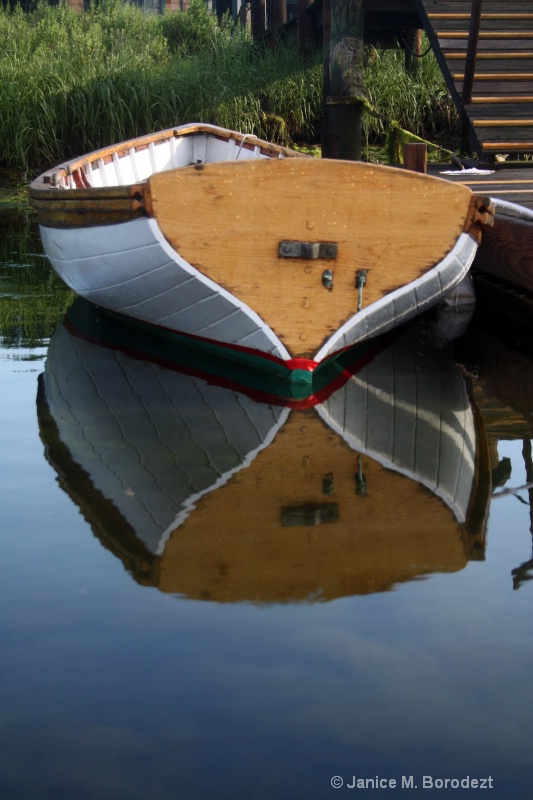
column 397, row 136
column 413, row 52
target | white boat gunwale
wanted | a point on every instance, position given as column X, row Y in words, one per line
column 54, row 177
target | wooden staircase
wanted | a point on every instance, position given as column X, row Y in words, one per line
column 485, row 51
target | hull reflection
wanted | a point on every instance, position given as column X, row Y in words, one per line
column 203, row 491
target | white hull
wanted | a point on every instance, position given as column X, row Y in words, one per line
column 152, row 283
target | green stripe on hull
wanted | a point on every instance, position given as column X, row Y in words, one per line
column 266, row 378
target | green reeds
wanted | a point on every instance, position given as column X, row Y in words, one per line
column 71, row 82
column 417, row 101
column 74, row 82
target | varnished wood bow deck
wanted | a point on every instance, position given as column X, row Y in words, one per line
column 228, row 220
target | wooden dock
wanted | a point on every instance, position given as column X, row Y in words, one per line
column 512, row 184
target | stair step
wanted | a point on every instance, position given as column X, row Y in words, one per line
column 505, row 85
column 497, row 76
column 466, row 5
column 519, row 136
column 508, row 147
column 497, row 56
column 449, row 43
column 485, row 35
column 446, row 23
column 493, row 63
column 500, row 110
column 467, row 15
column 504, row 110
column 485, row 86
column 504, row 123
column 500, row 100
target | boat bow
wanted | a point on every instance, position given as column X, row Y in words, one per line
column 326, row 252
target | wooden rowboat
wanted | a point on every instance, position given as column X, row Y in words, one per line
column 201, row 490
column 243, row 245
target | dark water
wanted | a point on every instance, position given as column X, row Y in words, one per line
column 206, row 597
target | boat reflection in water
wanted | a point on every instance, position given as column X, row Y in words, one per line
column 204, row 491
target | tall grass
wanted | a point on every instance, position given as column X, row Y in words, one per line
column 71, row 82
column 418, row 102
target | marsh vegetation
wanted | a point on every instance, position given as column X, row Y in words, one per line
column 73, row 82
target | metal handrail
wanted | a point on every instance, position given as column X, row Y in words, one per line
column 471, row 53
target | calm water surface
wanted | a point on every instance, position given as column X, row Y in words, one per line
column 173, row 625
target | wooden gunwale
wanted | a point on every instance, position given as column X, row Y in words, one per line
column 63, row 198
column 85, row 207
column 108, row 205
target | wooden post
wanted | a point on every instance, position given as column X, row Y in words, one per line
column 326, row 25
column 343, row 63
column 222, row 7
column 277, row 14
column 305, row 36
column 243, row 15
column 413, row 49
column 258, row 18
column 415, row 156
